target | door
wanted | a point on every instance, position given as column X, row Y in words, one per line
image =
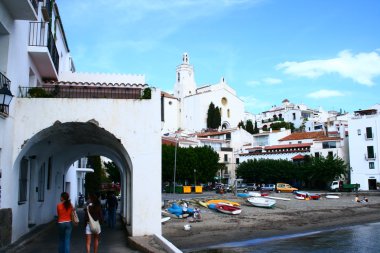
column 371, row 184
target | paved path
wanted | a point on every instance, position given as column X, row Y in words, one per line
column 111, row 240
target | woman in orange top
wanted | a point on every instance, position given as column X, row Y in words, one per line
column 64, row 210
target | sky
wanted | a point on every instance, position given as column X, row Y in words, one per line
column 322, row 53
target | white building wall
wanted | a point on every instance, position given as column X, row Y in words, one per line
column 171, row 109
column 358, row 149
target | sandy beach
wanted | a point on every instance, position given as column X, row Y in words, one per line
column 287, row 217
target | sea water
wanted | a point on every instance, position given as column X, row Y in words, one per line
column 360, row 238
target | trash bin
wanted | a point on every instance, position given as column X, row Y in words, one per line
column 178, row 189
column 187, row 189
column 198, row 189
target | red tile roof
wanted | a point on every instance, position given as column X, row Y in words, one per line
column 297, row 145
column 167, row 95
column 205, row 134
column 303, row 136
column 298, row 157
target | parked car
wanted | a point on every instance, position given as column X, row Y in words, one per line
column 282, row 187
column 251, row 187
column 268, row 187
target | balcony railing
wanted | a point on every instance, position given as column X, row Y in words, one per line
column 40, row 36
column 80, row 92
column 371, row 157
column 4, row 109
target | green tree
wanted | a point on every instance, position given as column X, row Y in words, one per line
column 282, row 124
column 210, row 115
column 200, row 163
column 241, row 124
column 93, row 180
column 112, row 171
column 217, row 121
column 256, row 129
column 249, row 127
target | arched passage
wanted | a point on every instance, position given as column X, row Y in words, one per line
column 47, row 156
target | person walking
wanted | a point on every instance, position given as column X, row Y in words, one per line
column 64, row 210
column 111, row 209
column 95, row 210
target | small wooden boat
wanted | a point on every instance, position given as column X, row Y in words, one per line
column 202, row 203
column 228, row 209
column 224, row 201
column 306, row 196
column 261, row 202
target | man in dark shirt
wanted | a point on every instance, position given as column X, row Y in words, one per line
column 111, row 205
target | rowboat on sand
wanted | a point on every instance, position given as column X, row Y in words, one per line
column 261, row 202
column 228, row 209
column 224, row 201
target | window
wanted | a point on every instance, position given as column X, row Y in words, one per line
column 294, row 116
column 225, row 157
column 329, row 144
column 23, row 181
column 237, row 161
column 224, row 101
column 41, row 183
column 49, row 173
column 359, row 132
column 368, row 133
column 371, row 165
column 228, row 113
column 316, row 154
column 330, row 154
column 370, row 152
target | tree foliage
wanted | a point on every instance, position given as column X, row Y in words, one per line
column 214, row 117
column 249, row 127
column 200, row 163
column 112, row 171
column 93, row 180
column 282, row 124
column 314, row 172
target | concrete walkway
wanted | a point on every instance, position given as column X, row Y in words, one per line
column 45, row 239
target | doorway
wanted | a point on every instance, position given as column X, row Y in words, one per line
column 371, row 184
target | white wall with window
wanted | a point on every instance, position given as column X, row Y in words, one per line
column 364, row 142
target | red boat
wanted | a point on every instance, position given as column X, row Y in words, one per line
column 228, row 209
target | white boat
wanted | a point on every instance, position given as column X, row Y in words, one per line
column 277, row 198
column 164, row 219
column 261, row 202
column 332, row 196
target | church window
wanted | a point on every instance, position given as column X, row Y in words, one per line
column 228, row 113
column 179, row 77
column 224, row 101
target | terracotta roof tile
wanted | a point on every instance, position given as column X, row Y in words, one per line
column 297, row 145
column 303, row 136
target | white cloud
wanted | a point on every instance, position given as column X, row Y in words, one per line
column 325, row 94
column 267, row 80
column 252, row 103
column 361, row 68
column 270, row 80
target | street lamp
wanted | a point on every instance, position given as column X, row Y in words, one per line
column 5, row 99
column 175, row 161
column 195, row 179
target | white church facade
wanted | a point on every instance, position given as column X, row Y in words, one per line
column 187, row 108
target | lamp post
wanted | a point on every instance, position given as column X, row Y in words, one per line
column 5, row 98
column 195, row 179
column 175, row 161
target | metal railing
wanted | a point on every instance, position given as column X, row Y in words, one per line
column 56, row 91
column 40, row 36
column 35, row 5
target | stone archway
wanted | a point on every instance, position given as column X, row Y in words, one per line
column 61, row 145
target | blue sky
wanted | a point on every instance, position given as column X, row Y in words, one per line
column 320, row 53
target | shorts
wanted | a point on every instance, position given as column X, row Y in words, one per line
column 88, row 230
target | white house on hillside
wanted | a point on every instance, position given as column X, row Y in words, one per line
column 364, row 132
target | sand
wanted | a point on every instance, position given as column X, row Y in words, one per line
column 287, row 217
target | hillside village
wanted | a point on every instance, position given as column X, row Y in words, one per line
column 52, row 118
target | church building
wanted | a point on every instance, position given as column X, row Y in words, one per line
column 187, row 108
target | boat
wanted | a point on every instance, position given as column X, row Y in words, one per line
column 261, row 202
column 202, row 203
column 306, row 196
column 331, row 196
column 277, row 198
column 228, row 209
column 164, row 219
column 224, row 201
column 248, row 194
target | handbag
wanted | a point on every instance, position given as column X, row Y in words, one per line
column 74, row 217
column 94, row 225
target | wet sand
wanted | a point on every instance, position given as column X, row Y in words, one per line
column 287, row 217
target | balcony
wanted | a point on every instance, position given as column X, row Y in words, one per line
column 370, row 157
column 58, row 91
column 22, row 9
column 4, row 110
column 43, row 50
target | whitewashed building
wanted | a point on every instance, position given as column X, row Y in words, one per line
column 57, row 116
column 187, row 108
column 364, row 132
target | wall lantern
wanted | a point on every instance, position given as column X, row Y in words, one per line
column 5, row 99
